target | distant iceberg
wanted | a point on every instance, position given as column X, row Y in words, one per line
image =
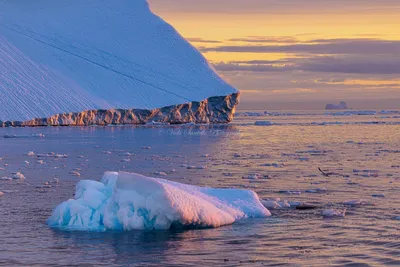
column 74, row 62
column 127, row 201
column 341, row 105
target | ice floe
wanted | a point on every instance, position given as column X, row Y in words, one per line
column 334, row 213
column 275, row 165
column 127, row 201
column 275, row 204
column 290, row 192
column 253, row 176
column 317, row 190
column 52, row 155
column 357, row 202
column 18, row 176
column 196, row 167
column 271, row 204
column 263, row 123
column 378, row 195
column 126, row 154
column 75, row 173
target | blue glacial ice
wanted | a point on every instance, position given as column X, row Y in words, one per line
column 127, row 201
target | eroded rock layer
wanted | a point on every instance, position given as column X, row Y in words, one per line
column 218, row 109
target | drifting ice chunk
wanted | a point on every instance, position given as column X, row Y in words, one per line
column 334, row 213
column 18, row 175
column 196, row 167
column 317, row 190
column 263, row 123
column 271, row 204
column 275, row 204
column 75, row 173
column 378, row 195
column 127, row 201
column 356, row 202
column 52, row 155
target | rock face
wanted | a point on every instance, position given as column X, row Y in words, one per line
column 219, row 109
column 341, row 105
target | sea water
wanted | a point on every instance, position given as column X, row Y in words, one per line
column 277, row 158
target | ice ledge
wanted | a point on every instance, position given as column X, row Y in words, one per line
column 217, row 109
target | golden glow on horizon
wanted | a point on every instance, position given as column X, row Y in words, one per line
column 365, row 82
column 216, row 57
column 222, row 28
column 300, row 24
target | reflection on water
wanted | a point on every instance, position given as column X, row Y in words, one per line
column 287, row 154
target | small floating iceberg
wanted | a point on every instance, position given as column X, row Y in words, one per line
column 334, row 213
column 128, row 201
column 263, row 123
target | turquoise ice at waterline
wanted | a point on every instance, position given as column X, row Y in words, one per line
column 129, row 201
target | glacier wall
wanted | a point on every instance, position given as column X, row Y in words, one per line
column 71, row 56
column 212, row 110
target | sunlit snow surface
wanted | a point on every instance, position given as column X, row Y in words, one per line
column 128, row 201
column 69, row 56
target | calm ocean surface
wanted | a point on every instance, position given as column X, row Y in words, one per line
column 363, row 149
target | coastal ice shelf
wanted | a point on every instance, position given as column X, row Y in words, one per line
column 73, row 56
column 127, row 201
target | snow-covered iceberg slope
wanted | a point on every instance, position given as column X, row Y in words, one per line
column 128, row 201
column 70, row 56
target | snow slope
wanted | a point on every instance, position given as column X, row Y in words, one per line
column 70, row 56
column 128, row 201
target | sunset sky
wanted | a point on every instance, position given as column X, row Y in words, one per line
column 301, row 51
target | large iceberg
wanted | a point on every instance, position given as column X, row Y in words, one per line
column 74, row 62
column 128, row 201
